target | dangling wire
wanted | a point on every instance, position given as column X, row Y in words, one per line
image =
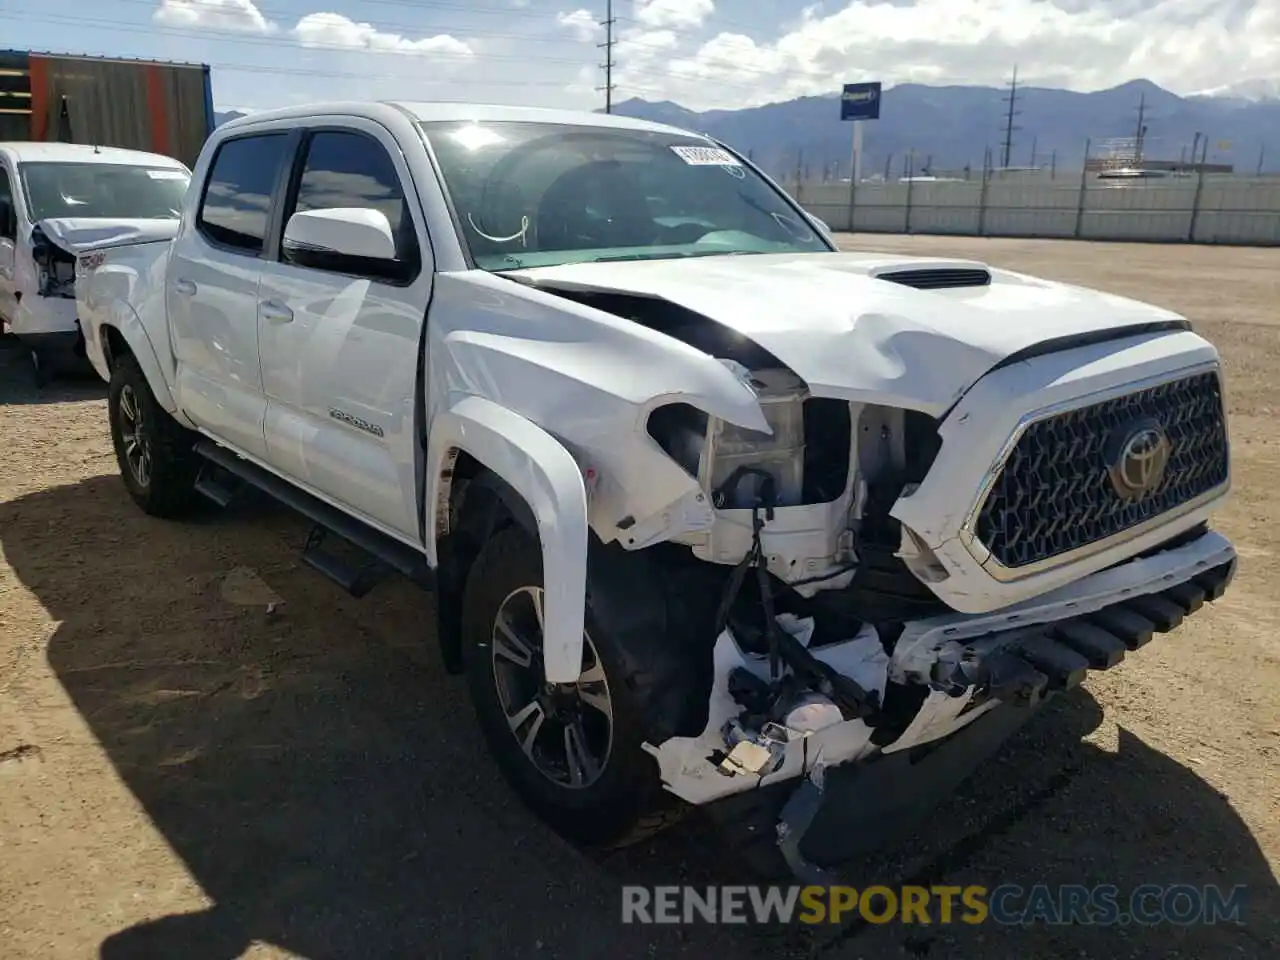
column 764, row 499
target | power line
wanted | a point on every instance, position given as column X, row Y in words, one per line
column 607, row 46
column 1008, row 124
column 270, row 13
column 239, row 37
column 228, row 36
column 405, row 29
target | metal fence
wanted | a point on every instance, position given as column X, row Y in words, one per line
column 1202, row 208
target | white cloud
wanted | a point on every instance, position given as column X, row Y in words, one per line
column 644, row 46
column 1184, row 45
column 682, row 14
column 581, row 23
column 585, row 82
column 335, row 30
column 681, row 50
column 239, row 15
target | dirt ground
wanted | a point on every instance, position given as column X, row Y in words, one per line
column 207, row 751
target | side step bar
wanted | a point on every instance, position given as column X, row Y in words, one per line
column 381, row 548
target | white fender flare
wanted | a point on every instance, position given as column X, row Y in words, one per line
column 126, row 322
column 545, row 474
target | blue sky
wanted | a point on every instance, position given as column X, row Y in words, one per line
column 700, row 53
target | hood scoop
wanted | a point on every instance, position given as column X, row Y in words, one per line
column 938, row 278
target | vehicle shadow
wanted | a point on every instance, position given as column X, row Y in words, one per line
column 322, row 779
column 17, row 382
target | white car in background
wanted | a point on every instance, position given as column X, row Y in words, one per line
column 58, row 200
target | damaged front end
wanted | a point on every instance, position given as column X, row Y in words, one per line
column 848, row 698
column 926, row 539
column 55, row 266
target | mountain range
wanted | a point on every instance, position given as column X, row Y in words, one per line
column 954, row 126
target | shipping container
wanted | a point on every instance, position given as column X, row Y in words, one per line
column 139, row 104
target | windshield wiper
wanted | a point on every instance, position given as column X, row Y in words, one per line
column 620, row 257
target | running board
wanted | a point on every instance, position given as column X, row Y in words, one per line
column 212, row 483
column 356, row 579
column 380, row 548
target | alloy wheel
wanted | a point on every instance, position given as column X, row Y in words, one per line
column 564, row 729
column 134, row 436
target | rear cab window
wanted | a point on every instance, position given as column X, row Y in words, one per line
column 236, row 205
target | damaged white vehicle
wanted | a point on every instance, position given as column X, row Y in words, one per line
column 59, row 200
column 716, row 514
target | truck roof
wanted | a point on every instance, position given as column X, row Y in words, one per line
column 430, row 111
column 36, row 151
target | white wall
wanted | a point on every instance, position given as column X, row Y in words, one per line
column 1215, row 209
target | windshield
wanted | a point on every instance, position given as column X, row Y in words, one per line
column 104, row 190
column 542, row 194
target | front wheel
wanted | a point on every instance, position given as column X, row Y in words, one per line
column 157, row 461
column 572, row 752
column 39, row 370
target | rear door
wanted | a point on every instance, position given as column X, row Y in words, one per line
column 212, row 288
column 340, row 351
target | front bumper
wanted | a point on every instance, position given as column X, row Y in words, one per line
column 840, row 812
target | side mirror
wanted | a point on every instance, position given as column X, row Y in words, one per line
column 343, row 239
column 822, row 225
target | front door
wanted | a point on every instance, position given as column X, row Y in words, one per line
column 8, row 245
column 340, row 351
column 212, row 295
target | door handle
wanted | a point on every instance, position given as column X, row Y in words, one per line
column 185, row 287
column 275, row 310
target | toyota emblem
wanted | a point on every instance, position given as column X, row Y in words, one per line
column 1137, row 456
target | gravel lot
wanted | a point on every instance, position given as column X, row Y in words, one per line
column 207, row 751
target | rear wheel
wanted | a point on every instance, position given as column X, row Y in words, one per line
column 572, row 752
column 157, row 461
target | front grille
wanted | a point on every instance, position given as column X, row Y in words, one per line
column 939, row 278
column 1055, row 493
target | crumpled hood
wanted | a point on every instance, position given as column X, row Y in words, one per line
column 80, row 234
column 852, row 336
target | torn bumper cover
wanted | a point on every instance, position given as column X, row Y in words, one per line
column 838, row 812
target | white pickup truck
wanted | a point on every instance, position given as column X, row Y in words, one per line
column 716, row 514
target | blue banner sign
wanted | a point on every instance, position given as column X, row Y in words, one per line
column 860, row 101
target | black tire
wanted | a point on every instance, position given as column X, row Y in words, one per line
column 167, row 487
column 626, row 803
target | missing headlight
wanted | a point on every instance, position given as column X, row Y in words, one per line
column 806, row 456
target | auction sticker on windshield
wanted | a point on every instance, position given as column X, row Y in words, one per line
column 167, row 174
column 706, row 157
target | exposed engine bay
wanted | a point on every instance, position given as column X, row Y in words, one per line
column 55, row 267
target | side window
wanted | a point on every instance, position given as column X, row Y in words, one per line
column 8, row 215
column 237, row 197
column 347, row 169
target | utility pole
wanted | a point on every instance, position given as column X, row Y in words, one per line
column 1009, row 128
column 1142, row 128
column 608, row 46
